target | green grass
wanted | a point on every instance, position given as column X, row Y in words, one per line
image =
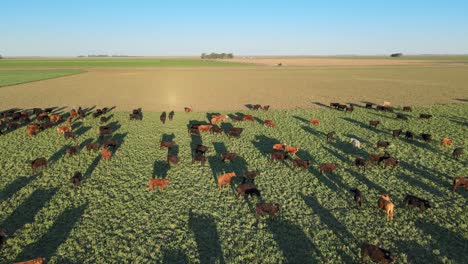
column 12, row 77
column 110, row 218
column 113, row 62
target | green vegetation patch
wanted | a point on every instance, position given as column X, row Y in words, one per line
column 12, row 77
column 111, row 218
column 113, row 62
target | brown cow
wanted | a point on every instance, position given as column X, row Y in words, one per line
column 228, row 156
column 279, row 146
column 358, row 196
column 92, row 146
column 55, row 118
column 278, row 156
column 391, row 162
column 200, row 149
column 416, row 202
column 251, row 175
column 105, row 131
column 200, row 158
column 300, row 163
column 460, row 181
column 383, row 144
column 291, row 150
column 243, row 187
column 76, row 178
column 166, row 144
column 216, row 130
column 374, row 123
column 426, row 137
column 376, row 254
column 386, row 204
column 256, row 107
column 262, row 209
column 235, row 132
column 205, row 128
column 72, row 150
column 163, row 117
column 407, row 109
column 331, row 136
column 68, row 135
column 314, row 121
column 63, row 129
column 446, row 142
column 361, row 162
column 32, row 261
column 396, row 133
column 425, row 116
column 171, row 115
column 172, row 159
column 37, row 163
column 248, row 118
column 269, row 123
column 457, row 152
column 266, row 107
column 328, row 167
column 187, row 109
column 110, row 143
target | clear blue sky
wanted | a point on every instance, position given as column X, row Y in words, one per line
column 247, row 27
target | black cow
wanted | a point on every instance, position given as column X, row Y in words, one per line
column 358, row 197
column 416, row 202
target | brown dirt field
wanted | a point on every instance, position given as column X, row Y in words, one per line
column 329, row 61
column 218, row 89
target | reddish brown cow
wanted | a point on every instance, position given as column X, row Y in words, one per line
column 172, row 159
column 166, row 144
column 262, row 209
column 376, row 254
column 38, row 163
column 228, row 156
column 328, row 167
column 460, row 181
column 299, row 163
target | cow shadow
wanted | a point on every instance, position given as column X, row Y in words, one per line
column 226, row 127
column 174, row 256
column 337, row 154
column 362, row 125
column 160, row 169
column 174, row 150
column 203, row 227
column 260, row 121
column 120, row 140
column 14, row 186
column 461, row 99
column 249, row 106
column 293, row 242
column 366, row 181
column 321, row 104
column 168, row 137
column 25, row 212
column 451, row 243
column 416, row 253
column 303, row 120
column 82, row 130
column 59, row 110
column 217, row 166
column 92, row 167
column 76, row 124
column 424, row 174
column 418, row 183
column 418, row 144
column 264, row 144
column 114, row 125
column 314, row 132
column 332, row 224
column 84, row 143
column 57, row 234
column 57, row 155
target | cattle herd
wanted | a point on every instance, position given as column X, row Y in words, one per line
column 281, row 152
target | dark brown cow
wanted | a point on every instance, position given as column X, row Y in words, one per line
column 369, row 105
column 349, row 109
column 328, row 167
column 105, row 131
column 76, row 179
column 360, row 162
column 235, row 132
column 391, row 162
column 72, row 150
column 396, row 133
column 216, row 130
column 199, row 158
column 409, row 135
column 416, row 202
column 374, row 123
column 460, row 181
column 69, row 135
column 376, row 254
column 166, row 144
column 256, row 107
column 243, row 187
column 266, row 107
column 200, row 149
column 38, row 163
column 194, row 131
column 163, row 117
column 383, row 144
column 228, row 156
column 300, row 163
column 92, row 146
column 110, row 143
column 104, row 119
column 426, row 137
column 425, row 116
column 407, row 109
column 278, row 155
column 262, row 209
column 331, row 136
column 172, row 159
column 457, row 152
column 171, row 115
column 251, row 175
column 3, row 236
column 358, row 197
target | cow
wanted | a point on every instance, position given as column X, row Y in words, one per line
column 279, row 146
column 235, row 132
column 251, row 175
column 216, row 130
column 360, row 162
column 386, row 204
column 269, row 123
column 356, row 143
column 32, row 261
column 358, row 197
column 248, row 118
column 228, row 156
column 72, row 150
column 391, row 162
column 374, row 123
column 446, row 142
column 243, row 187
column 200, row 149
column 426, row 137
column 187, row 109
column 76, row 179
column 110, row 143
column 166, row 144
column 341, row 107
column 457, row 152
column 172, row 159
column 425, row 116
column 225, row 179
column 98, row 113
column 73, row 113
column 104, row 119
column 69, row 135
column 171, row 115
column 330, row 136
column 262, row 209
column 238, row 118
column 63, row 129
column 409, row 135
column 383, row 144
column 205, row 128
column 396, row 133
column 266, row 107
column 162, row 117
column 416, row 202
column 334, row 105
column 407, row 109
column 314, row 121
column 194, row 131
column 55, row 118
column 300, row 163
column 369, row 105
column 92, row 146
column 376, row 254
column 349, row 109
column 460, row 181
column 199, row 158
column 106, row 154
column 253, row 191
column 256, row 107
column 46, row 126
column 3, row 236
column 38, row 163
column 291, row 150
column 278, row 156
column 328, row 167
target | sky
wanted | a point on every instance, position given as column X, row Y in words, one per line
column 242, row 27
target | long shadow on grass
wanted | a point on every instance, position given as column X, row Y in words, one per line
column 55, row 236
column 264, row 144
column 58, row 154
column 425, row 174
column 419, row 184
column 217, row 166
column 314, row 132
column 160, row 169
column 363, row 125
column 82, row 130
column 332, row 223
column 291, row 239
column 416, row 253
column 15, row 186
column 206, row 235
column 303, row 120
column 120, row 141
column 26, row 211
column 418, row 144
column 168, row 137
column 366, row 181
column 174, row 256
column 321, row 105
column 92, row 166
column 87, row 141
column 226, row 127
column 450, row 243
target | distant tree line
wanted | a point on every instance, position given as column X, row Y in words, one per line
column 394, row 55
column 102, row 56
column 217, row 56
column 1, row 56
